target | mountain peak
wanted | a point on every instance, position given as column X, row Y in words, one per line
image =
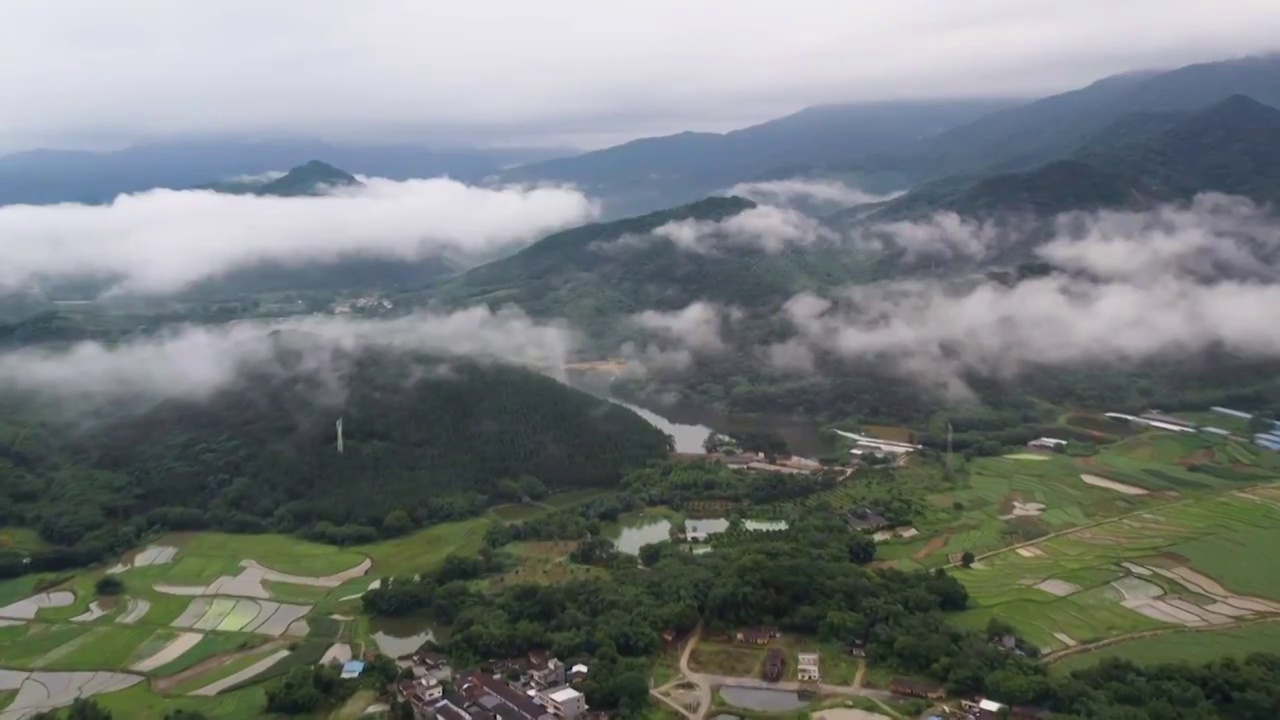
column 310, row 178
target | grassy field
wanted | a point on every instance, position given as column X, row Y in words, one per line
column 519, row 513
column 573, row 497
column 17, row 538
column 425, row 549
column 727, row 659
column 1197, row 646
column 27, row 651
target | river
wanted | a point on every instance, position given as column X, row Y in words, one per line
column 689, row 425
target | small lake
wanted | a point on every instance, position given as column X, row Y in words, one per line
column 397, row 637
column 761, row 699
column 633, row 533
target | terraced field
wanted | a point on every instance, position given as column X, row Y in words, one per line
column 1136, row 573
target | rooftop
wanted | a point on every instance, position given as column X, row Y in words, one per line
column 564, row 694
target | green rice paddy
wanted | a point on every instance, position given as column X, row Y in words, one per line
column 1201, row 646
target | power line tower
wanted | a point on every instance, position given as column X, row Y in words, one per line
column 339, row 424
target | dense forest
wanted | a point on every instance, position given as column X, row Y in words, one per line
column 423, row 438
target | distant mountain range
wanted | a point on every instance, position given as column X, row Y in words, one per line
column 49, row 176
column 653, row 173
column 1232, row 146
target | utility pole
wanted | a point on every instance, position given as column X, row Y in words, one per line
column 949, row 434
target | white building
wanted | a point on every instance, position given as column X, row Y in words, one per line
column 1047, row 443
column 807, row 667
column 565, row 702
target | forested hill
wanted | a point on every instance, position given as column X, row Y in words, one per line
column 593, row 274
column 1024, row 137
column 1231, row 147
column 434, row 439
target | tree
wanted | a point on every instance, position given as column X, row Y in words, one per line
column 87, row 709
column 650, row 554
column 862, row 548
column 967, row 559
column 396, row 522
column 109, row 585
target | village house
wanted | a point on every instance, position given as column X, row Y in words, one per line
column 756, row 636
column 501, row 699
column 1047, row 443
column 546, row 672
column 775, row 661
column 423, row 694
column 566, row 702
column 807, row 667
column 865, row 519
column 917, row 688
column 858, row 649
column 577, row 674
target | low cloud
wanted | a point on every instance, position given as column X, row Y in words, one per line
column 163, row 240
column 192, row 362
column 935, row 332
column 1212, row 236
column 797, row 190
column 766, row 227
column 679, row 336
column 942, row 236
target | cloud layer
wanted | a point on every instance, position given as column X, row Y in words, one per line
column 162, row 240
column 766, row 227
column 798, row 190
column 143, row 67
column 191, row 362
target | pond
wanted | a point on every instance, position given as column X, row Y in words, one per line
column 633, row 533
column 700, row 529
column 397, row 637
column 688, row 437
column 761, row 699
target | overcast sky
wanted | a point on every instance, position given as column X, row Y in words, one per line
column 80, row 72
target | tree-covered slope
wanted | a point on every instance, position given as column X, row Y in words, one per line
column 595, row 273
column 425, row 436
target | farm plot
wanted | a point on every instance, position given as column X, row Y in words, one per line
column 171, row 651
column 1128, row 579
column 240, row 615
column 42, row 691
column 148, row 556
column 250, row 581
column 1183, row 645
column 27, row 608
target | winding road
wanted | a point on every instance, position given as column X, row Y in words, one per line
column 707, row 683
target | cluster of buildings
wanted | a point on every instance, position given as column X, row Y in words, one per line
column 1269, row 439
column 864, row 445
column 539, row 687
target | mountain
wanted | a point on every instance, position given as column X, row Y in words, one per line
column 1053, row 128
column 594, row 274
column 1231, row 147
column 50, row 176
column 664, row 171
column 430, row 437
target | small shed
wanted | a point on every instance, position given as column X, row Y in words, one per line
column 352, row 670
